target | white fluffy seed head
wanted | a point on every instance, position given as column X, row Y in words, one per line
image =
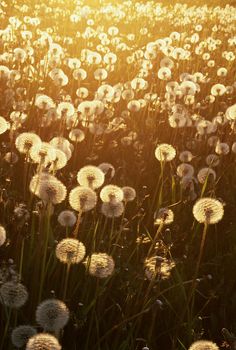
column 100, row 265
column 67, row 218
column 70, row 251
column 13, row 294
column 52, row 315
column 43, row 341
column 82, row 199
column 21, row 334
column 111, row 193
column 90, row 176
column 2, row 235
column 203, row 345
column 208, row 210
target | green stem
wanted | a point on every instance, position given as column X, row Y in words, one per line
column 66, row 281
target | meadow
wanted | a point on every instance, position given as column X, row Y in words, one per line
column 117, row 175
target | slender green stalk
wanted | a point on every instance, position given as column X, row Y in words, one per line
column 42, row 277
column 66, row 280
column 6, row 329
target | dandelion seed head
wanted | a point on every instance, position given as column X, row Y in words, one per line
column 52, row 315
column 107, row 168
column 90, row 176
column 163, row 216
column 3, row 125
column 13, row 294
column 206, row 173
column 111, row 193
column 158, row 267
column 100, row 265
column 203, row 345
column 165, row 152
column 26, row 140
column 48, row 188
column 43, row 341
column 112, row 209
column 67, row 218
column 208, row 210
column 2, row 235
column 82, row 199
column 129, row 193
column 21, row 334
column 70, row 251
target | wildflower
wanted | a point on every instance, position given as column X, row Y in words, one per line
column 206, row 173
column 2, row 235
column 107, row 168
column 111, row 193
column 185, row 169
column 82, row 199
column 157, row 266
column 21, row 334
column 43, row 153
column 11, row 157
column 90, row 176
column 43, row 341
column 218, row 90
column 13, row 294
column 222, row 148
column 112, row 209
column 44, row 102
column 48, row 188
column 163, row 216
column 26, row 140
column 212, row 160
column 165, row 152
column 3, row 125
column 76, row 135
column 67, row 218
column 52, row 315
column 185, row 156
column 208, row 210
column 100, row 265
column 70, row 251
column 203, row 345
column 129, row 193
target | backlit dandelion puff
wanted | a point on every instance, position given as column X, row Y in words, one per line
column 165, row 152
column 2, row 235
column 203, row 345
column 100, row 265
column 90, row 176
column 70, row 251
column 158, row 267
column 111, row 193
column 26, row 140
column 163, row 216
column 48, row 188
column 82, row 199
column 3, row 125
column 43, row 341
column 208, row 210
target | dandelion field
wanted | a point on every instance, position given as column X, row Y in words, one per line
column 117, row 175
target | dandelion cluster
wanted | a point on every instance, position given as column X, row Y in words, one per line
column 117, row 141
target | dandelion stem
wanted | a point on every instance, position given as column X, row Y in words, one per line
column 66, row 281
column 45, row 251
